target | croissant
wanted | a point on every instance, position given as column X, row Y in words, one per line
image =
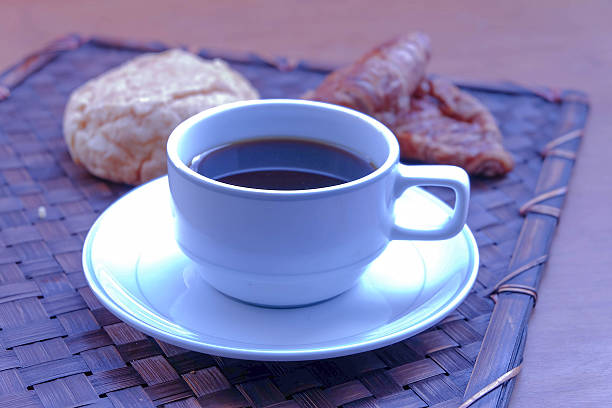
column 433, row 120
column 448, row 126
column 381, row 82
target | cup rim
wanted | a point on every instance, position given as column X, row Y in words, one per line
column 182, row 169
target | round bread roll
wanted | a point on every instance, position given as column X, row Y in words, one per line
column 117, row 125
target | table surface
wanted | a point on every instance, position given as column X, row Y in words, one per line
column 562, row 44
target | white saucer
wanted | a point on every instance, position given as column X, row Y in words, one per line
column 136, row 269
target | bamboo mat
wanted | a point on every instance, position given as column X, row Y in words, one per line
column 60, row 348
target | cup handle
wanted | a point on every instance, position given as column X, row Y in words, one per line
column 451, row 177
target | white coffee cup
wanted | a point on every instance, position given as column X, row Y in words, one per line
column 290, row 248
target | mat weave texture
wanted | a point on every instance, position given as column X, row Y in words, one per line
column 60, row 348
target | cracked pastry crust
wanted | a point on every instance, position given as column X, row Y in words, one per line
column 117, row 125
column 433, row 120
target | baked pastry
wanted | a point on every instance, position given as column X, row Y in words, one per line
column 447, row 125
column 433, row 120
column 381, row 82
column 117, row 125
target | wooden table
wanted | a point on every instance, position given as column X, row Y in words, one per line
column 554, row 43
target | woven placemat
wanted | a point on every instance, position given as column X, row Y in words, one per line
column 60, row 348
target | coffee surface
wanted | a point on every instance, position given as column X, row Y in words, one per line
column 281, row 164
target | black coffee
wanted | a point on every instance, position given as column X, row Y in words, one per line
column 281, row 164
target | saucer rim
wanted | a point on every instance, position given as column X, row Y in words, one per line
column 262, row 354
